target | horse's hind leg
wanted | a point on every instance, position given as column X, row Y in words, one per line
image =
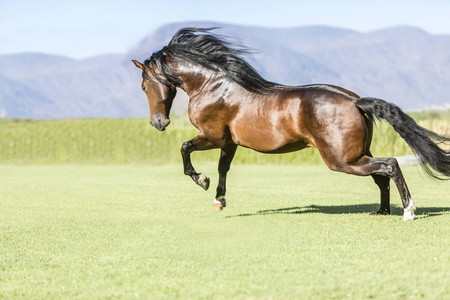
column 226, row 156
column 383, row 185
column 199, row 142
column 387, row 167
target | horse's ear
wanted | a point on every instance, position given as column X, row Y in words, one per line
column 138, row 64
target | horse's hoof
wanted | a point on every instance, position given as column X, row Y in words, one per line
column 203, row 181
column 219, row 204
column 218, row 207
column 409, row 218
column 408, row 214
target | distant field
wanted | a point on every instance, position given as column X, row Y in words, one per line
column 113, row 141
column 289, row 232
column 125, row 141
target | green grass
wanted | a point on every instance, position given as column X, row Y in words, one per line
column 288, row 232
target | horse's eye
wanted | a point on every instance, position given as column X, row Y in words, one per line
column 143, row 88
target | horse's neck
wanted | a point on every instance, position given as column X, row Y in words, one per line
column 196, row 78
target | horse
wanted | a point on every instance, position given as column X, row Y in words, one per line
column 232, row 105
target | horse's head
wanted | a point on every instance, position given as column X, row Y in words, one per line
column 159, row 96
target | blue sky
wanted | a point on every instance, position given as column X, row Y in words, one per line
column 85, row 28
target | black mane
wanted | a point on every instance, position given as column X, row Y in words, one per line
column 199, row 46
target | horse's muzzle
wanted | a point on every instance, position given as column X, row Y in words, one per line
column 159, row 122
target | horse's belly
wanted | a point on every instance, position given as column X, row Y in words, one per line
column 289, row 148
column 268, row 141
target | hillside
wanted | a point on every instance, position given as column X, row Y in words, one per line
column 404, row 65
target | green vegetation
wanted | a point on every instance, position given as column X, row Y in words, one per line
column 113, row 141
column 124, row 232
column 431, row 115
column 128, row 141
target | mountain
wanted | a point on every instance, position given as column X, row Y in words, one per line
column 18, row 100
column 94, row 87
column 403, row 65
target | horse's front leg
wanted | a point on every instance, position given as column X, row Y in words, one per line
column 199, row 142
column 226, row 156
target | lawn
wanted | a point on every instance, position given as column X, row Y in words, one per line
column 131, row 231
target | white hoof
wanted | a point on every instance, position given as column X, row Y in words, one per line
column 219, row 203
column 408, row 214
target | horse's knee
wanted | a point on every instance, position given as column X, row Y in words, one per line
column 186, row 148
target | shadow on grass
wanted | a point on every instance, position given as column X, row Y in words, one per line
column 421, row 212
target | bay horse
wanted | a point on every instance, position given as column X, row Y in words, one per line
column 232, row 105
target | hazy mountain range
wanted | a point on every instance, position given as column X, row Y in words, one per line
column 404, row 65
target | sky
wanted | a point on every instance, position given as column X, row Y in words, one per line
column 85, row 28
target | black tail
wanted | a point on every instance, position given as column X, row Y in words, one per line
column 432, row 158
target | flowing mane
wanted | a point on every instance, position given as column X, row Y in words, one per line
column 199, row 46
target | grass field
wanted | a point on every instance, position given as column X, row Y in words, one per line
column 288, row 232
